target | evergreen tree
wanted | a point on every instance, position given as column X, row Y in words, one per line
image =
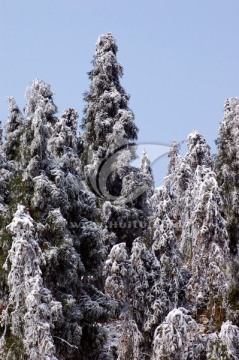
column 109, row 134
column 14, row 128
column 108, row 123
column 210, row 262
column 198, row 151
column 224, row 345
column 34, row 309
column 134, row 280
column 177, row 338
column 40, row 116
column 227, row 166
column 180, row 181
column 227, row 176
column 7, row 171
column 165, row 246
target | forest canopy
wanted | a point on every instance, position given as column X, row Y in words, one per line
column 95, row 262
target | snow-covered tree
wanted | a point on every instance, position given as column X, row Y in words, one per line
column 64, row 133
column 40, row 116
column 177, row 338
column 165, row 245
column 33, row 309
column 227, row 166
column 210, row 265
column 225, row 344
column 109, row 135
column 64, row 212
column 200, row 227
column 145, row 281
column 14, row 128
column 134, row 280
column 109, row 125
column 96, row 264
column 180, row 181
column 108, row 121
column 174, row 158
column 7, row 172
column 198, row 151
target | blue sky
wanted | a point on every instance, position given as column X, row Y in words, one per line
column 180, row 58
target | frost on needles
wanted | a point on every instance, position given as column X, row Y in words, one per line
column 95, row 262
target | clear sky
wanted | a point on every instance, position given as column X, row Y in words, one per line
column 180, row 58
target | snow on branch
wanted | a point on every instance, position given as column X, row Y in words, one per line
column 32, row 304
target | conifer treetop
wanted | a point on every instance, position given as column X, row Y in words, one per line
column 108, row 120
column 198, row 150
column 39, row 95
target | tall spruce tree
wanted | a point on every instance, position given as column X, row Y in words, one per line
column 165, row 246
column 227, row 166
column 180, row 180
column 14, row 128
column 208, row 286
column 108, row 123
column 134, row 280
column 7, row 171
column 109, row 135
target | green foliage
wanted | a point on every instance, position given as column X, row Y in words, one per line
column 233, row 298
column 20, row 192
column 14, row 348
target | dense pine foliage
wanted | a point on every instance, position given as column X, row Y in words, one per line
column 95, row 262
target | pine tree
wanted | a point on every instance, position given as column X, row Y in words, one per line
column 34, row 309
column 14, row 128
column 7, row 171
column 40, row 116
column 224, row 345
column 134, row 280
column 198, row 151
column 227, row 176
column 180, row 181
column 109, row 135
column 108, row 123
column 210, row 263
column 177, row 338
column 201, row 228
column 227, row 165
column 165, row 245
